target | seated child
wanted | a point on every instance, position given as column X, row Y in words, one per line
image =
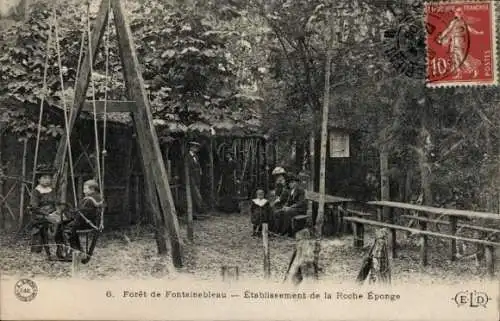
column 43, row 207
column 260, row 212
column 91, row 207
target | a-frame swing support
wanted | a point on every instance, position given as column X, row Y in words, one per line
column 152, row 161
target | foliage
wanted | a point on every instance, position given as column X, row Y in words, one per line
column 187, row 68
column 445, row 127
column 207, row 62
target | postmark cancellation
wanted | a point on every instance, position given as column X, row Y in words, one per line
column 461, row 40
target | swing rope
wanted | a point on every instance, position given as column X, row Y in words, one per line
column 106, row 84
column 65, row 107
column 96, row 132
column 42, row 101
column 100, row 168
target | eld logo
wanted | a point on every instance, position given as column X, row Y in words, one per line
column 471, row 299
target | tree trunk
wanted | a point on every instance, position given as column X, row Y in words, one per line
column 303, row 264
column 189, row 199
column 324, row 140
column 489, row 151
column 23, row 185
column 408, row 181
column 311, row 173
column 2, row 213
column 425, row 183
column 212, row 173
column 384, row 179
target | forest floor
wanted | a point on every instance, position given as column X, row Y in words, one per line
column 225, row 240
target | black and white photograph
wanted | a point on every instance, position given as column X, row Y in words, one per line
column 281, row 144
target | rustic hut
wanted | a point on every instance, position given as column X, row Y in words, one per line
column 248, row 147
column 17, row 159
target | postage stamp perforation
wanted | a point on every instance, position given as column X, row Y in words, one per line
column 473, row 69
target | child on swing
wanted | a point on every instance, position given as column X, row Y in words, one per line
column 90, row 208
column 260, row 212
column 44, row 210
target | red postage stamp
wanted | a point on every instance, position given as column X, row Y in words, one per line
column 461, row 43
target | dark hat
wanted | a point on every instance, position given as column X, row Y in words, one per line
column 293, row 178
column 45, row 169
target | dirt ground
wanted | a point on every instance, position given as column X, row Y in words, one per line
column 224, row 239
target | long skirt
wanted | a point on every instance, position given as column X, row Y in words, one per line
column 283, row 220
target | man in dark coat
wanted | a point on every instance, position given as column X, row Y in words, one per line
column 295, row 205
column 227, row 184
column 195, row 173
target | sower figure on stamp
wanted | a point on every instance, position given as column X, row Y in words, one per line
column 195, row 174
column 454, row 36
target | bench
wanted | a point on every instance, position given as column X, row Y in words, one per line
column 359, row 238
column 299, row 222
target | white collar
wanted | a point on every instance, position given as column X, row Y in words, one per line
column 260, row 202
column 43, row 190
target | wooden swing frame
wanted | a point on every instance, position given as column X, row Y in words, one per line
column 156, row 178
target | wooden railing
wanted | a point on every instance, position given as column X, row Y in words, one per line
column 359, row 219
column 445, row 216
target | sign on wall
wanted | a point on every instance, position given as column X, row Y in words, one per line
column 339, row 144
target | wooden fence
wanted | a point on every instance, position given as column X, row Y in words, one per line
column 483, row 238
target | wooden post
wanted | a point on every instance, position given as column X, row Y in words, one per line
column 324, row 137
column 489, row 253
column 359, row 235
column 453, row 242
column 189, row 198
column 392, row 235
column 266, row 166
column 212, row 173
column 23, row 185
column 423, row 244
column 64, row 184
column 267, row 258
column 160, row 231
column 311, row 175
column 303, row 264
column 384, row 181
column 82, row 83
column 138, row 194
column 75, row 264
column 79, row 185
column 2, row 213
column 230, row 273
column 143, row 121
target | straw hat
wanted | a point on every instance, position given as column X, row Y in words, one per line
column 278, row 171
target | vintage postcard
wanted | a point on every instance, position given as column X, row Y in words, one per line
column 249, row 160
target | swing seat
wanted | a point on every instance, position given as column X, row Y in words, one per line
column 84, row 231
column 90, row 236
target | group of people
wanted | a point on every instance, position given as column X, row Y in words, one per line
column 285, row 202
column 48, row 214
